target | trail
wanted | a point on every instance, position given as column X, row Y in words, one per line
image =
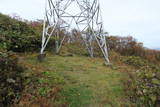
column 83, row 82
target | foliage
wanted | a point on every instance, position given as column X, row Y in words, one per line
column 11, row 79
column 20, row 36
column 124, row 45
column 116, row 57
column 17, row 35
column 72, row 81
column 135, row 61
column 43, row 86
column 128, row 46
column 144, row 87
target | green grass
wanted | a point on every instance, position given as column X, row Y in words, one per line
column 84, row 82
column 77, row 95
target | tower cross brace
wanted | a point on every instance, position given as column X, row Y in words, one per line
column 87, row 19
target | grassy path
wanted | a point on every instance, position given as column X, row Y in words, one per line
column 83, row 82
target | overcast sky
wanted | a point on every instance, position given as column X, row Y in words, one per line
column 138, row 18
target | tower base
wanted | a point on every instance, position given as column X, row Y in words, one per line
column 41, row 57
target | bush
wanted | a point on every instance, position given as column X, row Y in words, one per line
column 11, row 80
column 18, row 36
column 128, row 46
column 135, row 61
column 144, row 87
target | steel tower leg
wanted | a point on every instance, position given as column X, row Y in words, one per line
column 60, row 14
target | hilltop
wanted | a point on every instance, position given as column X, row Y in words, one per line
column 72, row 78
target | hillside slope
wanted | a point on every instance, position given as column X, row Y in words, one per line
column 76, row 81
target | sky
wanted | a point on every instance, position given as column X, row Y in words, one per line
column 137, row 18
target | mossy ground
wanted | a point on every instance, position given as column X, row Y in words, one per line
column 76, row 81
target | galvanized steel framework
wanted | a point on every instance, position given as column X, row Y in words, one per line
column 59, row 14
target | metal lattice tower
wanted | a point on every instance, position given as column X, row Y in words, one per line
column 84, row 15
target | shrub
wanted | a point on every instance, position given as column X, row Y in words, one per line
column 144, row 87
column 18, row 36
column 125, row 45
column 128, row 46
column 135, row 61
column 11, row 80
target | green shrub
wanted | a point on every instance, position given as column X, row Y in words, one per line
column 18, row 36
column 11, row 80
column 144, row 87
column 135, row 61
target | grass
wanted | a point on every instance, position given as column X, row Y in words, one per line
column 80, row 81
